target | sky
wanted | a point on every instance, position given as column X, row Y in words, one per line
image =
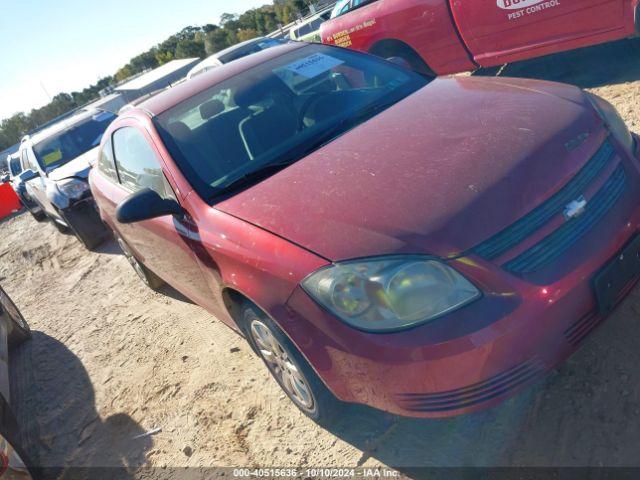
column 58, row 46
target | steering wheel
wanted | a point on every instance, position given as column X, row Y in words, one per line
column 308, row 103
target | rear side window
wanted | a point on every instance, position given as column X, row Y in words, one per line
column 137, row 164
column 24, row 160
column 303, row 30
column 105, row 162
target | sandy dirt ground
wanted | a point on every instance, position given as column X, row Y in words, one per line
column 111, row 360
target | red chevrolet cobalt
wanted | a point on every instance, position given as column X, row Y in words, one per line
column 426, row 248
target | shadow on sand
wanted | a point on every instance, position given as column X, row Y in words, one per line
column 61, row 430
column 606, row 64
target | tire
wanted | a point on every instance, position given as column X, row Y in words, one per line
column 19, row 330
column 149, row 278
column 38, row 216
column 64, row 229
column 288, row 367
column 395, row 49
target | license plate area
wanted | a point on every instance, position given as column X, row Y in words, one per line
column 611, row 280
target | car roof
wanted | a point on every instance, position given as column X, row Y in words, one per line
column 238, row 46
column 63, row 125
column 199, row 83
column 314, row 17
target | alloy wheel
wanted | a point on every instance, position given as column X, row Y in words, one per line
column 283, row 365
column 133, row 262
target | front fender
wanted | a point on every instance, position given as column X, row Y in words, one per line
column 56, row 198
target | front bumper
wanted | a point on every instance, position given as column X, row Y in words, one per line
column 481, row 354
column 83, row 218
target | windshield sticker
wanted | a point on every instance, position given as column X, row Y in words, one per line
column 52, row 157
column 523, row 8
column 343, row 38
column 313, row 65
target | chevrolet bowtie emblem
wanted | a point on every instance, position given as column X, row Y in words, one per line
column 575, row 208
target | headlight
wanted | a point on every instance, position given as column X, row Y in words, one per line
column 612, row 120
column 389, row 293
column 73, row 188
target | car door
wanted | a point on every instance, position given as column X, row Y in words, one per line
column 501, row 31
column 162, row 244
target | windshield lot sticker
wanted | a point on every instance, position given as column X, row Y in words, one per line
column 523, row 8
column 52, row 157
column 313, row 65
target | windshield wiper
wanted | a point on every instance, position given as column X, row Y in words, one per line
column 296, row 153
column 289, row 158
column 251, row 177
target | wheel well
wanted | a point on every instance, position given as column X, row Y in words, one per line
column 233, row 301
column 397, row 48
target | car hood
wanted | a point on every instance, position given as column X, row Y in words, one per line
column 439, row 172
column 78, row 167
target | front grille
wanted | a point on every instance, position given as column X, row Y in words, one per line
column 551, row 247
column 561, row 239
column 476, row 393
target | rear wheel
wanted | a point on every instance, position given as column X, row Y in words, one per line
column 289, row 368
column 38, row 216
column 394, row 50
column 149, row 278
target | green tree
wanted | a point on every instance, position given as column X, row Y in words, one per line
column 190, row 49
column 247, row 34
column 164, row 57
column 217, row 40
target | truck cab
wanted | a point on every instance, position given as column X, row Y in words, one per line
column 450, row 36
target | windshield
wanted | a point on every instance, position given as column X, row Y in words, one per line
column 72, row 142
column 278, row 112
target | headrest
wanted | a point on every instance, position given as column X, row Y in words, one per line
column 254, row 93
column 179, row 131
column 211, row 108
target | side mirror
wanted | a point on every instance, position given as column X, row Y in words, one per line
column 145, row 205
column 5, row 178
column 29, row 175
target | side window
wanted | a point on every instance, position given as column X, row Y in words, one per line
column 353, row 4
column 24, row 160
column 137, row 164
column 105, row 162
column 304, row 29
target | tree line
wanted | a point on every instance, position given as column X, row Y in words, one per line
column 190, row 42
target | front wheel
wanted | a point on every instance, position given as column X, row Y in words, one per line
column 37, row 216
column 149, row 278
column 289, row 368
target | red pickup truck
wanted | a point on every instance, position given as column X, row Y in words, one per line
column 450, row 36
